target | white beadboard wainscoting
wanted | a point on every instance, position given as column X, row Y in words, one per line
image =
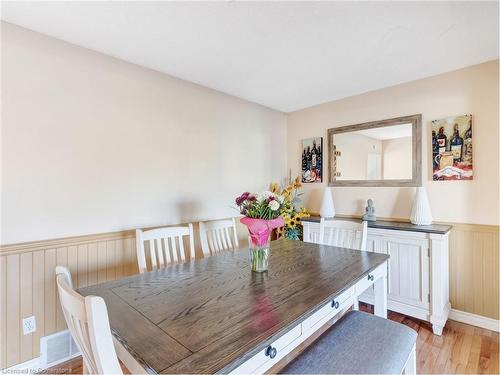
column 27, row 281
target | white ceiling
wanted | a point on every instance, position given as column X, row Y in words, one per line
column 387, row 132
column 284, row 55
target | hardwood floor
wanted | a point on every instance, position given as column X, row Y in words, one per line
column 461, row 349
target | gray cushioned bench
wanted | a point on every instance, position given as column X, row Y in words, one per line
column 359, row 343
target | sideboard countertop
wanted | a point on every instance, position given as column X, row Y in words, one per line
column 395, row 225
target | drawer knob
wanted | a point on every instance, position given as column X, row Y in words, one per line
column 370, row 277
column 271, row 352
column 335, row 304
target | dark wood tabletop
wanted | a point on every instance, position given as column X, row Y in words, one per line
column 212, row 314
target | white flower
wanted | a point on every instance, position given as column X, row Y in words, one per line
column 274, row 205
column 267, row 194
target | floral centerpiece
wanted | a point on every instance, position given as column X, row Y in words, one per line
column 291, row 212
column 262, row 214
column 276, row 209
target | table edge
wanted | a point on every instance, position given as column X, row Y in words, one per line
column 233, row 365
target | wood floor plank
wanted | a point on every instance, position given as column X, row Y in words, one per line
column 475, row 350
column 484, row 355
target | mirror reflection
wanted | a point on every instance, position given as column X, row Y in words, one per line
column 383, row 153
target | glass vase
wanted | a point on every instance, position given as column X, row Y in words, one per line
column 259, row 256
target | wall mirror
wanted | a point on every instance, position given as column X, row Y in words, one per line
column 377, row 153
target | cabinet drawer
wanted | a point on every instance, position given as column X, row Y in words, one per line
column 369, row 279
column 329, row 310
column 261, row 361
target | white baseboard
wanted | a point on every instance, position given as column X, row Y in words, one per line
column 29, row 367
column 458, row 315
column 475, row 320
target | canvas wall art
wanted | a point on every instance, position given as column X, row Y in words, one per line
column 312, row 160
column 452, row 148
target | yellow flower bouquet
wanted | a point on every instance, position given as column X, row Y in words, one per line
column 290, row 212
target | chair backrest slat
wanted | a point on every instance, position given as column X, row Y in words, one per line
column 343, row 233
column 87, row 320
column 211, row 244
column 152, row 254
column 181, row 248
column 169, row 258
column 227, row 236
column 217, row 236
column 161, row 255
column 219, row 239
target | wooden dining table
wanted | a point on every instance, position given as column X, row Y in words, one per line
column 214, row 315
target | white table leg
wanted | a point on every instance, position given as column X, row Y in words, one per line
column 380, row 300
column 355, row 303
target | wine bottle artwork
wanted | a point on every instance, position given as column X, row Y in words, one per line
column 312, row 160
column 456, row 145
column 452, row 148
column 441, row 140
column 435, row 149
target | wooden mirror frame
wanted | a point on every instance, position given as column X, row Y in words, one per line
column 416, row 180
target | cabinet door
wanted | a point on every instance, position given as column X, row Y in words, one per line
column 409, row 270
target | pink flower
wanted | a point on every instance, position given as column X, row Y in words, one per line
column 242, row 198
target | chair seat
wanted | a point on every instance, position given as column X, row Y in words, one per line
column 359, row 343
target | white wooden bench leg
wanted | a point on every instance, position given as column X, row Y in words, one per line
column 355, row 303
column 411, row 364
column 380, row 292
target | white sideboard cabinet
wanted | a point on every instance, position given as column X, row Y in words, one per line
column 418, row 282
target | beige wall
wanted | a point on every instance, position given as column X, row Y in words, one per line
column 471, row 90
column 93, row 144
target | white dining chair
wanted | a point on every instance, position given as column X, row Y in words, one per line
column 163, row 245
column 343, row 233
column 217, row 236
column 88, row 323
